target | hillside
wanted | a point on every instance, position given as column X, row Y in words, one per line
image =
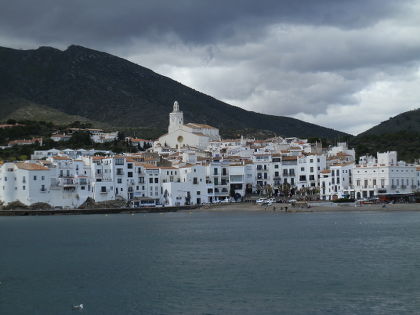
column 400, row 133
column 407, row 122
column 98, row 87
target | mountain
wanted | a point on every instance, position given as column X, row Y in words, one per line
column 400, row 133
column 407, row 121
column 95, row 86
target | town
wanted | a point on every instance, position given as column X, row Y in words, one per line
column 192, row 165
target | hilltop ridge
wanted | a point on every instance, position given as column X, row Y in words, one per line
column 110, row 90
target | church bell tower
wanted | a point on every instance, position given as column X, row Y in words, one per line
column 176, row 118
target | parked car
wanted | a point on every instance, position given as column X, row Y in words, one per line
column 261, row 200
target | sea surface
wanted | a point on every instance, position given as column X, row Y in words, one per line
column 212, row 263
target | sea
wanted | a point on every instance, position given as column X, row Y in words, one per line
column 239, row 262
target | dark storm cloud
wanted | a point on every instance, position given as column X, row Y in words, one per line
column 318, row 60
column 102, row 23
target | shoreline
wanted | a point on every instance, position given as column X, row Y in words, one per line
column 230, row 207
column 280, row 207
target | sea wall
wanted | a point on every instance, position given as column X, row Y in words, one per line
column 25, row 212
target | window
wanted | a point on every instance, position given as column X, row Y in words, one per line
column 34, row 177
column 215, row 171
column 119, row 161
column 311, row 169
column 23, row 188
column 198, row 192
column 130, row 174
column 150, row 180
column 156, row 180
column 103, row 188
column 119, row 181
column 130, row 165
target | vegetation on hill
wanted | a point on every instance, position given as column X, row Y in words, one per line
column 408, row 121
column 29, row 129
column 102, row 88
column 400, row 133
column 406, row 143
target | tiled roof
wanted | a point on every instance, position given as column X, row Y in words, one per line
column 60, row 157
column 31, row 167
column 203, row 126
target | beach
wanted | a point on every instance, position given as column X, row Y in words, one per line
column 313, row 207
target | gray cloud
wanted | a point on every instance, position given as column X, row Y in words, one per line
column 322, row 61
column 105, row 22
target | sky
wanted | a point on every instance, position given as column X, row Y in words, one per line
column 347, row 65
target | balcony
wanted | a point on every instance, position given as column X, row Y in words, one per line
column 68, row 182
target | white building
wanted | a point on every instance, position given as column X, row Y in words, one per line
column 384, row 175
column 336, row 182
column 191, row 135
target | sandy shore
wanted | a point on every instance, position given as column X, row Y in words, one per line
column 322, row 207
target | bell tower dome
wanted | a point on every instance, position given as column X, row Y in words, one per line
column 176, row 118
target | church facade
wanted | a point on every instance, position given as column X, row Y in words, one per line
column 188, row 135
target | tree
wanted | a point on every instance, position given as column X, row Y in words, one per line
column 80, row 139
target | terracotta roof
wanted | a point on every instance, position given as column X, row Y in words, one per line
column 289, row 158
column 342, row 154
column 146, row 165
column 25, row 141
column 325, row 172
column 204, row 126
column 31, row 167
column 139, row 140
column 60, row 157
column 2, row 126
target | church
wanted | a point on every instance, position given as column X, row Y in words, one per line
column 189, row 135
